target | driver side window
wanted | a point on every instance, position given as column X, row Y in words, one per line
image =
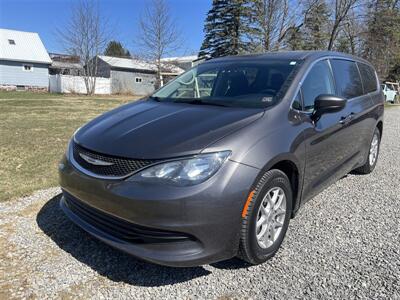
column 318, row 81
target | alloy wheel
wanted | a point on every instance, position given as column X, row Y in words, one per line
column 373, row 150
column 271, row 217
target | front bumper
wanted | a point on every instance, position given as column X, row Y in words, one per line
column 174, row 226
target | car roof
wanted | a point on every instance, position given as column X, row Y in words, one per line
column 287, row 55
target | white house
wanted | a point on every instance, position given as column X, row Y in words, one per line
column 24, row 61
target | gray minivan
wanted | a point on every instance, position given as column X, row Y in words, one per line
column 216, row 163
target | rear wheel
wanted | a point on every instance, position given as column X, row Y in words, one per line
column 373, row 153
column 266, row 219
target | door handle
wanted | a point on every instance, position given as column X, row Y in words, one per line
column 346, row 119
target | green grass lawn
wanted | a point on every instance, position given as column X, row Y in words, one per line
column 34, row 131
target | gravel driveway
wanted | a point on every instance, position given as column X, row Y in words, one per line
column 345, row 243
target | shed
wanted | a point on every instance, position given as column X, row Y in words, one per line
column 65, row 64
column 24, row 61
column 129, row 75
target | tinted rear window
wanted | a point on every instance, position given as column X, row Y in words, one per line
column 368, row 77
column 347, row 78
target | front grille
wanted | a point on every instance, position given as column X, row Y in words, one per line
column 120, row 166
column 119, row 228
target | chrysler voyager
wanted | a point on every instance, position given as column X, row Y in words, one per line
column 215, row 163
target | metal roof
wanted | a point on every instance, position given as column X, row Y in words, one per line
column 65, row 65
column 182, row 59
column 136, row 64
column 127, row 63
column 22, row 46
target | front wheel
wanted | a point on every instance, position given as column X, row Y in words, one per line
column 266, row 217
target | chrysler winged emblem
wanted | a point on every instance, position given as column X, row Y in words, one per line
column 94, row 161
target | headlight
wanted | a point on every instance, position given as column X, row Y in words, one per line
column 184, row 172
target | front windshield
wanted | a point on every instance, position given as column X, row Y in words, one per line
column 244, row 84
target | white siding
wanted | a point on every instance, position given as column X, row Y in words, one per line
column 12, row 73
column 76, row 84
column 125, row 82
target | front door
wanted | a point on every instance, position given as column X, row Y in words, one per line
column 354, row 81
column 327, row 140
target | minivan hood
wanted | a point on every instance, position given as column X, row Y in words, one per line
column 153, row 130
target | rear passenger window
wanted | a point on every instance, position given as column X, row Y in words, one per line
column 318, row 81
column 347, row 78
column 368, row 78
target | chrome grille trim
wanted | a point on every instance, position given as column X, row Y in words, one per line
column 134, row 167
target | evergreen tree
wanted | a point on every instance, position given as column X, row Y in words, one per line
column 227, row 29
column 116, row 49
column 294, row 39
column 382, row 41
column 394, row 73
column 221, row 34
column 342, row 44
column 248, row 30
column 315, row 26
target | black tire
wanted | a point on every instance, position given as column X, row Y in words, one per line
column 368, row 167
column 249, row 248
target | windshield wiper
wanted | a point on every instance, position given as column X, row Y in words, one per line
column 201, row 102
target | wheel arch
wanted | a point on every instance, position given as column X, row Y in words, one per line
column 291, row 167
column 379, row 125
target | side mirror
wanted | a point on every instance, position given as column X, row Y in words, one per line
column 325, row 104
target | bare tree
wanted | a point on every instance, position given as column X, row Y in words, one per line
column 353, row 30
column 158, row 35
column 272, row 17
column 293, row 27
column 86, row 36
column 341, row 10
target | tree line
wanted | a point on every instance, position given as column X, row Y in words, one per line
column 366, row 28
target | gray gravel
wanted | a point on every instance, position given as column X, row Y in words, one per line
column 345, row 243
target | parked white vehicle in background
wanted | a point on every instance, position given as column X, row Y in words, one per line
column 390, row 90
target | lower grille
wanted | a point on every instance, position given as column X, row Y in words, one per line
column 112, row 166
column 119, row 228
